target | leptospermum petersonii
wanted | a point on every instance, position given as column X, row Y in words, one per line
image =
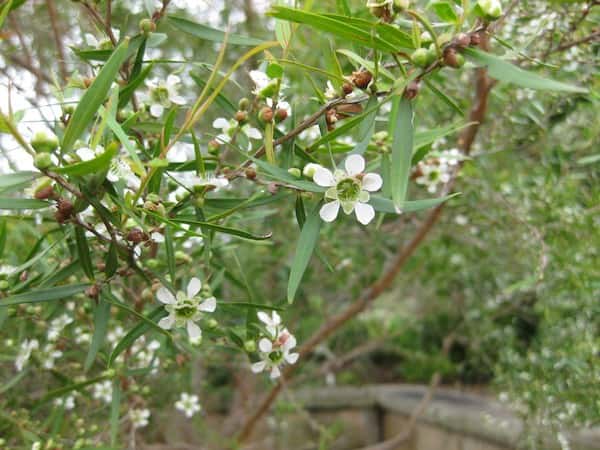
column 349, row 189
column 275, row 350
column 185, row 308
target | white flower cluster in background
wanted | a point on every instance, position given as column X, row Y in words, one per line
column 436, row 170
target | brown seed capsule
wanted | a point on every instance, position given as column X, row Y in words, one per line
column 180, row 359
column 45, row 193
column 101, row 266
column 462, row 40
column 272, row 187
column 65, row 207
column 412, row 90
column 136, row 236
column 450, row 58
column 241, row 116
column 331, row 118
column 92, row 291
column 87, row 82
column 23, row 276
column 347, row 88
column 475, row 39
column 280, row 115
column 266, row 114
column 60, row 217
column 362, row 78
column 250, row 173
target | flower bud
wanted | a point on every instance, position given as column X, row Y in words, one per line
column 412, row 90
column 280, row 115
column 65, row 206
column 309, row 170
column 250, row 346
column 431, row 54
column 213, row 146
column 42, row 161
column 295, row 172
column 182, row 257
column 211, row 324
column 241, row 116
column 4, row 285
column 152, row 263
column 362, row 78
column 401, row 5
column 452, row 58
column 250, row 173
column 266, row 114
column 347, row 88
column 42, row 143
column 475, row 39
column 420, row 57
column 44, row 193
column 147, row 26
column 136, row 236
column 491, row 9
column 93, row 291
column 244, row 104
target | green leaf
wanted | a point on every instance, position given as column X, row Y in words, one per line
column 211, row 34
column 385, row 205
column 170, row 252
column 44, row 295
column 135, row 333
column 226, row 230
column 366, row 127
column 4, row 12
column 445, row 11
column 101, row 315
column 127, row 92
column 16, row 179
column 110, row 298
column 370, row 66
column 304, row 250
column 22, row 203
column 115, row 406
column 509, row 73
column 93, row 97
column 112, row 260
column 402, row 147
column 84, row 252
column 338, row 26
column 284, row 176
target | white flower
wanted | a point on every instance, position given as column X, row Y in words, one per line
column 57, row 325
column 491, row 8
column 81, row 336
column 451, row 157
column 309, row 170
column 163, row 94
column 139, row 417
column 119, row 169
column 275, row 352
column 349, row 188
column 379, row 3
column 104, row 42
column 48, row 355
column 36, row 446
column 216, row 181
column 157, row 237
column 188, row 404
column 272, row 322
column 67, row 402
column 103, row 391
column 25, row 353
column 185, row 309
column 330, row 92
column 433, row 173
column 115, row 334
column 264, row 86
column 228, row 127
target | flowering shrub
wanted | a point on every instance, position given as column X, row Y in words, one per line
column 178, row 215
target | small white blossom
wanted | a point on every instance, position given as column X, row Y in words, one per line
column 228, row 127
column 57, row 325
column 330, row 92
column 48, row 355
column 349, row 189
column 185, row 308
column 104, row 42
column 103, row 391
column 188, row 404
column 163, row 94
column 115, row 334
column 276, row 352
column 433, row 172
column 67, row 402
column 25, row 353
column 272, row 322
column 139, row 417
column 36, row 446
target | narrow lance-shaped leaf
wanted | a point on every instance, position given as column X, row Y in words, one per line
column 94, row 96
column 509, row 73
column 101, row 315
column 402, row 147
column 304, row 250
column 44, row 295
column 210, row 34
column 84, row 252
column 22, row 203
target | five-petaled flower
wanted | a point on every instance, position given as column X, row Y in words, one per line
column 185, row 308
column 349, row 189
column 164, row 93
column 228, row 127
column 276, row 349
column 188, row 404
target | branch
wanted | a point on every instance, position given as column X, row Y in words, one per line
column 60, row 48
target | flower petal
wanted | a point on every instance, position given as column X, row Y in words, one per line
column 252, row 133
column 166, row 323
column 372, row 182
column 208, row 305
column 173, row 80
column 258, row 366
column 156, row 110
column 265, row 345
column 323, row 177
column 193, row 330
column 364, row 212
column 354, row 164
column 292, row 357
column 165, row 296
column 193, row 287
column 264, row 318
column 178, row 99
column 329, row 211
column 275, row 372
column 221, row 123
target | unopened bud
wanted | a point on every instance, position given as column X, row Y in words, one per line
column 266, row 114
column 411, row 90
column 475, row 39
column 241, row 116
column 42, row 143
column 244, row 104
column 401, row 5
column 182, row 257
column 453, row 59
column 42, row 161
column 136, row 236
column 309, row 170
column 213, row 146
column 45, row 193
column 4, row 285
column 420, row 57
column 295, row 172
column 280, row 115
column 362, row 78
column 211, row 324
column 491, row 9
column 93, row 291
column 250, row 173
column 147, row 26
column 250, row 346
column 347, row 88
column 65, row 206
column 273, row 188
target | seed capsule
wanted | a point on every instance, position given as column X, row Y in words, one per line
column 361, row 79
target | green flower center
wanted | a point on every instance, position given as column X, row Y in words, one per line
column 186, row 310
column 160, row 94
column 348, row 189
column 276, row 356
